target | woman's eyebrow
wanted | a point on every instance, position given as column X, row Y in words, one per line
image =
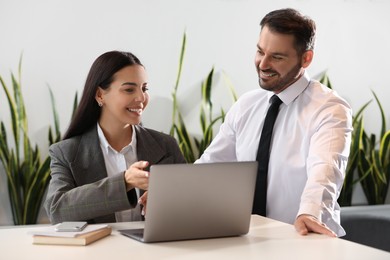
column 129, row 83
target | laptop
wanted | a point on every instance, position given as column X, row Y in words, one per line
column 197, row 201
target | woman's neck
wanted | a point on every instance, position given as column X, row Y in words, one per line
column 117, row 136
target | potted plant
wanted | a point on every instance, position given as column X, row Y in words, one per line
column 192, row 147
column 373, row 160
column 27, row 175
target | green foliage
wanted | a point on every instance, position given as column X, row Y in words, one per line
column 369, row 159
column 192, row 147
column 325, row 80
column 27, row 176
column 373, row 165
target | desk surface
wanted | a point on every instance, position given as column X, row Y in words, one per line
column 267, row 239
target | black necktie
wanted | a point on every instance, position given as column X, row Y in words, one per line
column 260, row 199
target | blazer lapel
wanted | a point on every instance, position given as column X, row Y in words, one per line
column 89, row 158
column 147, row 148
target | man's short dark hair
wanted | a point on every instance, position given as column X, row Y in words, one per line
column 291, row 21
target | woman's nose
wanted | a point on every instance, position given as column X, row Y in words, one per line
column 140, row 96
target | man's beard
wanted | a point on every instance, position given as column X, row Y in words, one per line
column 283, row 82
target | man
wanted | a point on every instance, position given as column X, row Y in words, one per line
column 311, row 135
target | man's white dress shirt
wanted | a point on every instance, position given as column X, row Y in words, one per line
column 309, row 148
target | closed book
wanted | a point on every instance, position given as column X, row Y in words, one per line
column 82, row 239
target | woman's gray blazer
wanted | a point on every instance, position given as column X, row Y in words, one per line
column 79, row 188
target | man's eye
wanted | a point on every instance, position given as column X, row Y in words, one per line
column 260, row 52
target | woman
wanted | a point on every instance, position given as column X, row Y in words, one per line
column 99, row 171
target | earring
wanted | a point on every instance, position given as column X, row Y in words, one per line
column 100, row 104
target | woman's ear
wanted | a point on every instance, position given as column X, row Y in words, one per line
column 99, row 96
column 307, row 58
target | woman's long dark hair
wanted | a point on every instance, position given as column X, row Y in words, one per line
column 100, row 75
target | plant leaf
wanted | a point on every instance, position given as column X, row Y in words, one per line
column 383, row 118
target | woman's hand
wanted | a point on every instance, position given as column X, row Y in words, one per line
column 142, row 201
column 136, row 177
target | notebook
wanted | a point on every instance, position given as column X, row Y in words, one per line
column 197, row 201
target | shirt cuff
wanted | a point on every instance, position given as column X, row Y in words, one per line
column 310, row 209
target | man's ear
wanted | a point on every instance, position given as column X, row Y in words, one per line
column 307, row 58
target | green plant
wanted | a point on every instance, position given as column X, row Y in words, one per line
column 373, row 164
column 192, row 147
column 369, row 159
column 27, row 176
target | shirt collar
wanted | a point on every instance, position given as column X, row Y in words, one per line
column 106, row 146
column 293, row 91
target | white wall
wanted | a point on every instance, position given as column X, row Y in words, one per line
column 61, row 39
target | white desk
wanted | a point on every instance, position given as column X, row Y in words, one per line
column 267, row 239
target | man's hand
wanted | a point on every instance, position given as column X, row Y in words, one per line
column 307, row 223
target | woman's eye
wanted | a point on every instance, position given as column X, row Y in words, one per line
column 144, row 89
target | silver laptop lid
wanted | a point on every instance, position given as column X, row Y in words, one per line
column 192, row 201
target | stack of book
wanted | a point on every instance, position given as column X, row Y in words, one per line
column 49, row 236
